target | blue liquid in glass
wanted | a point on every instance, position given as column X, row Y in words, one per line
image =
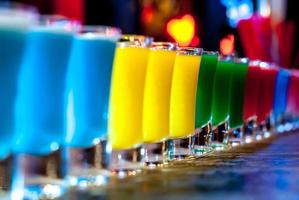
column 40, row 102
column 281, row 92
column 88, row 86
column 12, row 43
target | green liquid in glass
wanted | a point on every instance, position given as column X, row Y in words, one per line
column 221, row 91
column 237, row 95
column 205, row 89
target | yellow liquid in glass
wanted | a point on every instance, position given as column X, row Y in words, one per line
column 157, row 95
column 183, row 95
column 126, row 97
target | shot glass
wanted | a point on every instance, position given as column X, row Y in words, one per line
column 204, row 96
column 39, row 114
column 183, row 103
column 157, row 102
column 126, row 105
column 87, row 98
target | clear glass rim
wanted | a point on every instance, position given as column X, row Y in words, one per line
column 57, row 23
column 264, row 65
column 143, row 40
column 254, row 63
column 268, row 66
column 48, row 19
column 168, row 46
column 241, row 60
column 212, row 53
column 99, row 29
column 189, row 51
column 14, row 14
column 99, row 32
column 134, row 44
column 227, row 58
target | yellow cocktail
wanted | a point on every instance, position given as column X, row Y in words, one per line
column 157, row 101
column 183, row 97
column 157, row 92
column 126, row 96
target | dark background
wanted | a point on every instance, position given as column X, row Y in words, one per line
column 210, row 15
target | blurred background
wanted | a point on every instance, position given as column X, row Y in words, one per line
column 259, row 29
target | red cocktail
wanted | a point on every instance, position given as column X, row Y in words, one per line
column 266, row 92
column 251, row 98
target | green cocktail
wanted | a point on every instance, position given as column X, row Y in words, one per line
column 237, row 92
column 204, row 96
column 205, row 88
column 221, row 100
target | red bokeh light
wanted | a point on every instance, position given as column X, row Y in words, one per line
column 227, row 45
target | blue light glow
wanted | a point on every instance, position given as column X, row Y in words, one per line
column 237, row 10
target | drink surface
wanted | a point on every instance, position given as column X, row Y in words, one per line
column 126, row 97
column 204, row 92
column 157, row 95
column 183, row 95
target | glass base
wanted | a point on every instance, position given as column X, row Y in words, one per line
column 127, row 162
column 268, row 130
column 5, row 174
column 39, row 177
column 265, row 129
column 259, row 133
column 269, row 124
column 262, row 132
column 290, row 124
column 89, row 167
column 202, row 140
column 155, row 154
column 180, row 149
column 249, row 131
column 280, row 122
column 220, row 137
column 235, row 137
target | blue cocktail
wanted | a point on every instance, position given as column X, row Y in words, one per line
column 15, row 20
column 13, row 30
column 280, row 98
column 87, row 97
column 40, row 106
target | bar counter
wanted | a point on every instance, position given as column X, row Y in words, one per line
column 265, row 170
